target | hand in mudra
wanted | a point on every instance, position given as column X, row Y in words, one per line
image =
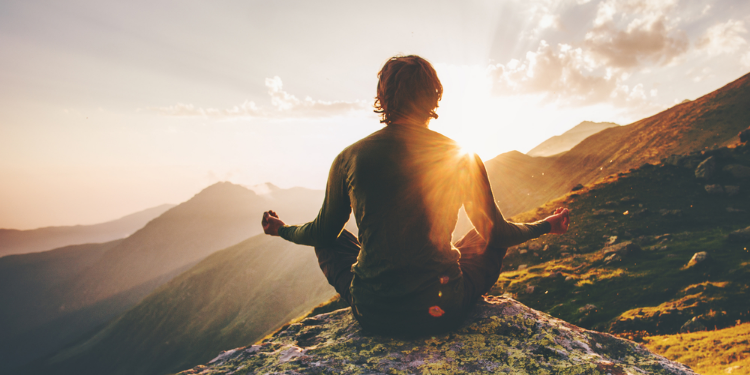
column 271, row 223
column 560, row 220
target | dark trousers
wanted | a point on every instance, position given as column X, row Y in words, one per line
column 479, row 264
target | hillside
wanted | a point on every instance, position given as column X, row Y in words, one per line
column 716, row 352
column 710, row 121
column 13, row 241
column 113, row 280
column 566, row 141
column 231, row 298
column 624, row 266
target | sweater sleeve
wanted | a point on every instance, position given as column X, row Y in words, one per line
column 332, row 216
column 483, row 212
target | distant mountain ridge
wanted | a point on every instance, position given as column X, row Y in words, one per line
column 522, row 182
column 566, row 141
column 14, row 241
column 232, row 298
column 118, row 274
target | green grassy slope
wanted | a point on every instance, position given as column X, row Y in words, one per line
column 651, row 292
column 231, row 298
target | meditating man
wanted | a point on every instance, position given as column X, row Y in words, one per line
column 406, row 184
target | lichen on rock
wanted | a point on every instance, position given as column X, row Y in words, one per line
column 500, row 335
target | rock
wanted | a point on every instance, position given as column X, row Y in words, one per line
column 588, row 307
column 555, row 275
column 530, row 289
column 714, row 189
column 500, row 335
column 522, row 267
column 732, row 190
column 665, row 212
column 535, row 246
column 522, row 251
column 569, row 278
column 546, row 247
column 692, row 325
column 603, row 212
column 744, row 135
column 611, row 240
column 577, row 187
column 612, row 258
column 622, row 249
column 739, row 236
column 698, row 258
column 706, row 168
column 738, row 170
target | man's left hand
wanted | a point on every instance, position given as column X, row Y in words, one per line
column 559, row 221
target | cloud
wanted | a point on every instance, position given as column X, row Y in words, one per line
column 632, row 33
column 723, row 38
column 283, row 106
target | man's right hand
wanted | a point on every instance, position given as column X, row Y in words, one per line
column 559, row 221
column 271, row 223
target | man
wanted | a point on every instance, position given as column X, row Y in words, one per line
column 406, row 184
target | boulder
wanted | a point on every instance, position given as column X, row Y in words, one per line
column 714, row 189
column 666, row 212
column 744, row 135
column 500, row 335
column 535, row 246
column 698, row 258
column 602, row 212
column 739, row 236
column 732, row 190
column 737, row 170
column 612, row 258
column 522, row 267
column 622, row 249
column 577, row 187
column 706, row 168
column 692, row 325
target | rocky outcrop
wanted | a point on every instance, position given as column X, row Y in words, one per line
column 501, row 335
column 706, row 169
column 739, row 236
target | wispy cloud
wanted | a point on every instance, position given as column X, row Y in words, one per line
column 632, row 33
column 723, row 38
column 283, row 106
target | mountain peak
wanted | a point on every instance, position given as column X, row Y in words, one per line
column 500, row 335
column 569, row 139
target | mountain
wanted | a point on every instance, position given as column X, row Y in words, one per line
column 652, row 251
column 566, row 141
column 499, row 336
column 13, row 241
column 233, row 297
column 708, row 122
column 108, row 279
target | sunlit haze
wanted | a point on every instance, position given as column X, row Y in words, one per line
column 109, row 108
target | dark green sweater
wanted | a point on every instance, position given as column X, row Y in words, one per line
column 406, row 185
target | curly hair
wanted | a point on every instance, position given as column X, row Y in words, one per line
column 408, row 90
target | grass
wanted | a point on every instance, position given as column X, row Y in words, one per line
column 724, row 351
column 646, row 293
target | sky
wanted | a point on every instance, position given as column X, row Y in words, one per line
column 108, row 108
